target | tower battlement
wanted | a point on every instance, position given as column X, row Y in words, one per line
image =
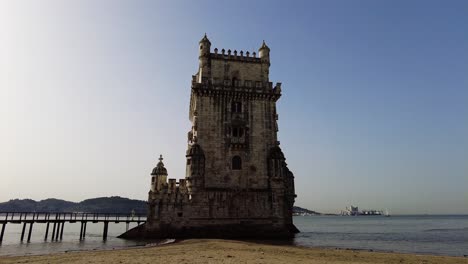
column 232, row 65
column 172, row 186
column 160, row 185
column 215, row 82
column 234, row 56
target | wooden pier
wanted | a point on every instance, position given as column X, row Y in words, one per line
column 58, row 221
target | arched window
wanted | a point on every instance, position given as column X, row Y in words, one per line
column 237, row 132
column 236, row 107
column 236, row 163
column 235, row 82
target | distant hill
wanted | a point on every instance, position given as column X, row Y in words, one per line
column 114, row 204
column 303, row 211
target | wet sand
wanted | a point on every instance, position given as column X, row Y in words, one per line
column 227, row 251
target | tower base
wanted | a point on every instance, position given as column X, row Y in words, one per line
column 234, row 231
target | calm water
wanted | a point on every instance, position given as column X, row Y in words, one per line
column 442, row 235
column 12, row 246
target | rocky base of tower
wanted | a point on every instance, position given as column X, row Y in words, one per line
column 233, row 231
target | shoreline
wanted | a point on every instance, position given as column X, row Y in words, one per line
column 148, row 245
column 259, row 242
column 231, row 251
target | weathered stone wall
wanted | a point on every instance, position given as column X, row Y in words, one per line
column 214, row 118
column 226, row 69
column 178, row 209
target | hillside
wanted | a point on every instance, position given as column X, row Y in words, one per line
column 114, row 204
column 303, row 211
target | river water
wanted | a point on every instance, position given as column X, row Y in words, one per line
column 439, row 235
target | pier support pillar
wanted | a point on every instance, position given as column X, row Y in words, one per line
column 57, row 233
column 53, row 231
column 106, row 227
column 22, row 232
column 81, row 231
column 3, row 232
column 61, row 230
column 46, row 231
column 84, row 229
column 30, row 231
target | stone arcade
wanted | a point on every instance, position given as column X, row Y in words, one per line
column 237, row 183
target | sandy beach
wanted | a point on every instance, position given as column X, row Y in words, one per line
column 225, row 251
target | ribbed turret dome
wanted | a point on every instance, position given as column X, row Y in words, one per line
column 159, row 169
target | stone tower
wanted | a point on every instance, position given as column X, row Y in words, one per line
column 237, row 183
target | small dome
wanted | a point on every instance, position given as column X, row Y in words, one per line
column 205, row 39
column 195, row 150
column 159, row 169
column 264, row 46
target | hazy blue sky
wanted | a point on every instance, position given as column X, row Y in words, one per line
column 374, row 109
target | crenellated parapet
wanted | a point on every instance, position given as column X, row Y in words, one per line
column 235, row 56
column 172, row 186
column 240, row 88
column 223, row 54
column 206, row 82
column 233, row 66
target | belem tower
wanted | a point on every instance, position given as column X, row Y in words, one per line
column 237, row 183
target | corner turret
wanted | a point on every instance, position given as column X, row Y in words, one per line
column 264, row 53
column 158, row 176
column 195, row 172
column 204, row 59
column 204, row 46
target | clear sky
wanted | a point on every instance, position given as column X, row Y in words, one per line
column 374, row 109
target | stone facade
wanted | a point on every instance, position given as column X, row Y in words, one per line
column 237, row 183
